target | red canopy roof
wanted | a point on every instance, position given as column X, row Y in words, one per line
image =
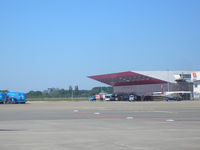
column 126, row 78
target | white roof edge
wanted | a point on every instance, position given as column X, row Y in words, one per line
column 164, row 75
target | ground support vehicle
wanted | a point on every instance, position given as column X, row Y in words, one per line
column 2, row 98
column 92, row 98
column 15, row 97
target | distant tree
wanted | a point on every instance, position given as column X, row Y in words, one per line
column 62, row 93
column 76, row 91
column 97, row 90
column 34, row 94
column 70, row 91
column 4, row 91
column 45, row 95
column 84, row 93
column 70, row 88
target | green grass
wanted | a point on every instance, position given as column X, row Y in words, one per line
column 59, row 99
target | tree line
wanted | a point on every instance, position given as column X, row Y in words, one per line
column 63, row 93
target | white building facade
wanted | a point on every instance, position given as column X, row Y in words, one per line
column 195, row 76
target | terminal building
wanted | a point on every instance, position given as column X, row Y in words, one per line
column 183, row 84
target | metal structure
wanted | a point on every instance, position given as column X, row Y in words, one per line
column 145, row 83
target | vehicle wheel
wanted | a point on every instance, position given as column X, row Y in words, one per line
column 15, row 101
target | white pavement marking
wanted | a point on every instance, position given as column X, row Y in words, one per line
column 129, row 118
column 170, row 120
column 75, row 110
column 29, row 102
column 96, row 113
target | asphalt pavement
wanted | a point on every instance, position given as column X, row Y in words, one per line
column 100, row 125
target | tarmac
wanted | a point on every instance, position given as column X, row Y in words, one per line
column 75, row 125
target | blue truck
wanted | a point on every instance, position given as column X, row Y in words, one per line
column 15, row 98
column 2, row 97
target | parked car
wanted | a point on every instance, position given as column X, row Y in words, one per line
column 132, row 98
column 108, row 97
column 114, row 97
column 92, row 98
column 125, row 98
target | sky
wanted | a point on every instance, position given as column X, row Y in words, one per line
column 57, row 43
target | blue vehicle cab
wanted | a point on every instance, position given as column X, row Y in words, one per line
column 92, row 98
column 16, row 97
column 172, row 98
column 2, row 98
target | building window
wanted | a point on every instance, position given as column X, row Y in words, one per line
column 195, row 85
column 187, row 76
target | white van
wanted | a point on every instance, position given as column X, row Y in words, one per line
column 108, row 97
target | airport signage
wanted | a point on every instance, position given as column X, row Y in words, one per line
column 195, row 76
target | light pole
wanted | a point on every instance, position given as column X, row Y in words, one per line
column 168, row 80
column 72, row 95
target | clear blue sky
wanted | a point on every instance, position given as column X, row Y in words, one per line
column 57, row 43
